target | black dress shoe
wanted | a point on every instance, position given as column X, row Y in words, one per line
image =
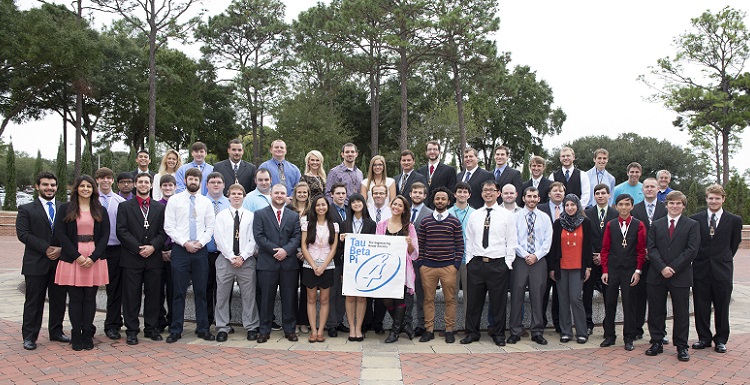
column 173, row 337
column 29, row 344
column 512, row 339
column 539, row 339
column 156, row 337
column 275, row 326
column 426, row 336
column 629, row 346
column 582, row 339
column 60, row 338
column 131, row 339
column 112, row 334
column 720, row 348
column 206, row 335
column 590, row 331
column 449, row 338
column 469, row 339
column 418, row 331
column 656, row 348
column 565, row 339
column 683, row 355
column 221, row 336
column 342, row 328
column 263, row 338
column 291, row 337
column 608, row 341
column 333, row 333
column 499, row 340
column 665, row 341
column 701, row 345
column 231, row 329
column 252, row 335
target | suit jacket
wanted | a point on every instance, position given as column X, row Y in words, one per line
column 245, row 174
column 33, row 230
column 269, row 235
column 368, row 226
column 555, row 254
column 415, row 176
column 677, row 252
column 421, row 214
column 444, row 175
column 510, row 176
column 475, row 181
column 640, row 212
column 338, row 259
column 715, row 259
column 66, row 235
column 597, row 226
column 543, row 188
column 132, row 234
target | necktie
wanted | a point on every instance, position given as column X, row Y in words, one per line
column 403, row 182
column 282, row 176
column 440, row 217
column 342, row 213
column 432, row 170
column 601, row 215
column 567, row 175
column 557, row 211
column 497, row 173
column 278, row 216
column 712, row 225
column 193, row 215
column 486, row 233
column 51, row 209
column 216, row 207
column 144, row 208
column 377, row 216
column 105, row 202
column 200, row 167
column 599, row 176
column 671, row 228
column 467, row 176
column 236, row 241
column 530, row 220
column 413, row 215
column 650, row 210
column 236, row 168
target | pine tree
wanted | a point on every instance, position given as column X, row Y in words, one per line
column 62, row 173
column 38, row 166
column 11, row 184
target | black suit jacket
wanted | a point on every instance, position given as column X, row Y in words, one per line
column 66, row 235
column 33, row 230
column 640, row 213
column 269, row 235
column 555, row 254
column 136, row 172
column 132, row 234
column 415, row 176
column 475, row 181
column 444, row 175
column 245, row 174
column 597, row 226
column 510, row 176
column 543, row 188
column 677, row 252
column 715, row 259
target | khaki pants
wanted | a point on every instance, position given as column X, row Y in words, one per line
column 447, row 278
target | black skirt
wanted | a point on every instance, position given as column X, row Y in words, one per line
column 312, row 281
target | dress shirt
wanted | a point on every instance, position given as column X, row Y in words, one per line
column 535, row 182
column 661, row 196
column 502, row 240
column 542, row 233
column 350, row 177
column 596, row 177
column 255, row 201
column 585, row 185
column 552, row 210
column 385, row 212
column 179, row 176
column 113, row 204
column 223, row 204
column 676, row 219
column 126, row 197
column 54, row 207
column 224, row 233
column 177, row 218
column 718, row 217
column 640, row 247
column 463, row 217
column 471, row 172
column 291, row 173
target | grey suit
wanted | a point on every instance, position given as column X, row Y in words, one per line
column 418, row 291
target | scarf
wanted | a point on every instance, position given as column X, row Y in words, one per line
column 571, row 222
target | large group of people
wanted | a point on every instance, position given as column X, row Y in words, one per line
column 276, row 229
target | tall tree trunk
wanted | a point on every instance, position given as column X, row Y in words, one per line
column 79, row 105
column 725, row 156
column 460, row 108
column 152, row 76
column 374, row 112
column 403, row 68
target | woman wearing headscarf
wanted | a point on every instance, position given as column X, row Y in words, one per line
column 570, row 266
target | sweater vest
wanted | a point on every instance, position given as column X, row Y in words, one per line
column 573, row 185
column 619, row 256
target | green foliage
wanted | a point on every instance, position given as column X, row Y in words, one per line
column 38, row 167
column 87, row 163
column 61, row 171
column 106, row 157
column 738, row 197
column 694, row 202
column 11, row 184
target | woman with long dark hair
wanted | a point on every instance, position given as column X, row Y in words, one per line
column 82, row 232
column 319, row 241
column 399, row 225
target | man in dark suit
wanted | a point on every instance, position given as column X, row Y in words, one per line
column 647, row 211
column 408, row 176
column 575, row 181
column 34, row 229
column 277, row 233
column 504, row 174
column 599, row 214
column 475, row 176
column 140, row 229
column 143, row 159
column 537, row 164
column 673, row 243
column 721, row 234
column 436, row 172
column 236, row 170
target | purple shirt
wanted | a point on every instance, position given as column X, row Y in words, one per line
column 352, row 178
column 111, row 202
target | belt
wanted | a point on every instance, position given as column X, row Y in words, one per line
column 488, row 259
column 86, row 238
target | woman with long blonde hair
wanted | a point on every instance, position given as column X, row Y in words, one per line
column 170, row 163
column 315, row 173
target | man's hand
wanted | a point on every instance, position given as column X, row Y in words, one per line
column 53, row 252
column 146, row 250
column 667, row 272
column 531, row 259
column 597, row 258
column 166, row 256
column 192, row 246
column 237, row 261
column 605, row 278
column 280, row 253
column 634, row 279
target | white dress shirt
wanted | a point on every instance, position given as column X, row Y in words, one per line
column 385, row 212
column 503, row 239
column 177, row 218
column 224, row 233
column 585, row 185
column 542, row 233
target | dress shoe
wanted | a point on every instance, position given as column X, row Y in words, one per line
column 61, row 337
column 291, row 337
column 525, row 332
column 701, row 345
column 665, row 341
column 449, row 338
column 720, row 348
column 252, row 335
column 418, row 331
column 639, row 337
column 321, row 338
column 590, row 331
column 342, row 328
column 656, row 348
column 499, row 340
column 683, row 355
column 582, row 339
column 333, row 333
column 156, row 337
column 263, row 338
column 206, row 335
column 426, row 336
column 361, row 338
column 469, row 339
column 112, row 334
column 173, row 337
column 629, row 346
column 131, row 339
column 608, row 341
column 88, row 342
column 222, row 336
column 565, row 339
column 539, row 339
column 275, row 326
column 512, row 339
column 231, row 329
column 29, row 344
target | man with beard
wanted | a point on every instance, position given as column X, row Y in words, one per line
column 346, row 173
column 437, row 173
column 419, row 211
column 236, row 170
column 125, row 186
column 189, row 221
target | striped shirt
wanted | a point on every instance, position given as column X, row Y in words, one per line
column 441, row 242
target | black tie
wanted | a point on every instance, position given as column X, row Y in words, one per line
column 712, row 230
column 236, row 241
column 486, row 233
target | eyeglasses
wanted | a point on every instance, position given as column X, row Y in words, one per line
column 489, row 190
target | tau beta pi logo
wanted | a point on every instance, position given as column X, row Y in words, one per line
column 374, row 271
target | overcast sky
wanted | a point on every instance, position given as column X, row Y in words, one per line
column 589, row 52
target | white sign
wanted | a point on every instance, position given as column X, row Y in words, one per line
column 374, row 266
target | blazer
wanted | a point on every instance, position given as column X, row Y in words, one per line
column 475, row 181
column 137, row 171
column 715, row 259
column 35, row 232
column 553, row 263
column 677, row 252
column 245, row 174
column 640, row 212
column 421, row 214
column 597, row 229
column 510, row 176
column 66, row 235
column 132, row 234
column 269, row 235
column 543, row 188
column 415, row 176
column 444, row 175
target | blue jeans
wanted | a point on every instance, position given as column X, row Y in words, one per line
column 187, row 266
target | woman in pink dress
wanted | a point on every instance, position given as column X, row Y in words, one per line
column 82, row 230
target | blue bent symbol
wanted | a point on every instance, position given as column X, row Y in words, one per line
column 375, row 273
